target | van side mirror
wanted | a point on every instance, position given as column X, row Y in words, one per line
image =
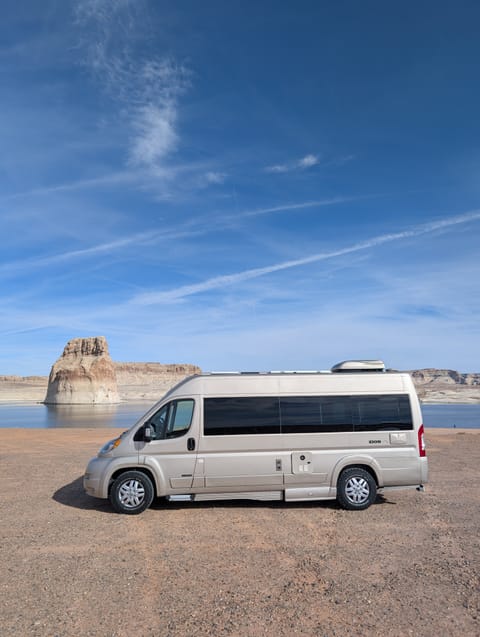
column 147, row 434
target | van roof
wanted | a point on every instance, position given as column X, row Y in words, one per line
column 366, row 379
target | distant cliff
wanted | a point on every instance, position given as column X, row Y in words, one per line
column 149, row 381
column 446, row 386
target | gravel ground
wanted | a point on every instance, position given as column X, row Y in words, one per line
column 408, row 565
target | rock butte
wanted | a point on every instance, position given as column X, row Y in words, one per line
column 84, row 374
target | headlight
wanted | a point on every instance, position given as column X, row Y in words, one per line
column 109, row 446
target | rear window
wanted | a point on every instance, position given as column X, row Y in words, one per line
column 374, row 413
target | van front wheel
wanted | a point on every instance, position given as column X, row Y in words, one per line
column 131, row 493
column 356, row 489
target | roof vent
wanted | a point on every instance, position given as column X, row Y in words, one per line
column 359, row 366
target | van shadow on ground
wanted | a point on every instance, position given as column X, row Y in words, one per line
column 73, row 495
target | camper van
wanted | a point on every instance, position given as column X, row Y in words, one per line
column 345, row 434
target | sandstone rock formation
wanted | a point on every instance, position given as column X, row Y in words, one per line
column 446, row 386
column 84, row 374
column 149, row 381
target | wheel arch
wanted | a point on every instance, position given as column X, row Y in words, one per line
column 363, row 462
column 142, row 469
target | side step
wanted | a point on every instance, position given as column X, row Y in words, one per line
column 243, row 495
column 418, row 487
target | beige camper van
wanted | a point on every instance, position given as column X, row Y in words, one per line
column 344, row 434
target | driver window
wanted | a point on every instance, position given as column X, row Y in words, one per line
column 158, row 422
column 172, row 420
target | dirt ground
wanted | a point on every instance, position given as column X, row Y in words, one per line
column 408, row 565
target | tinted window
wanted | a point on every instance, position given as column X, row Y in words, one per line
column 235, row 416
column 376, row 413
column 336, row 413
column 300, row 413
column 309, row 414
column 305, row 414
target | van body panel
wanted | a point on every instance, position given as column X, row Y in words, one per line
column 301, row 494
column 210, row 462
column 236, row 460
column 173, row 462
column 99, row 472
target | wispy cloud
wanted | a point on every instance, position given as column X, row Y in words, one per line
column 298, row 164
column 111, row 179
column 147, row 87
column 151, row 298
column 212, row 177
column 299, row 206
column 194, row 227
column 100, row 249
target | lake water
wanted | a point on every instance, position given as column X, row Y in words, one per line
column 37, row 416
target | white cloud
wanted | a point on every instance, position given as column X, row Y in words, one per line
column 155, row 134
column 146, row 87
column 308, row 161
column 298, row 164
column 212, row 177
column 278, row 168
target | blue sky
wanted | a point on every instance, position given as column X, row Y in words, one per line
column 240, row 185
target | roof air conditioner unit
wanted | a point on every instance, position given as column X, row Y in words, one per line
column 359, row 366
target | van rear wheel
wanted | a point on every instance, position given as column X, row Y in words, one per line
column 131, row 493
column 356, row 489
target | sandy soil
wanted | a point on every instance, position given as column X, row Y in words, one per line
column 409, row 565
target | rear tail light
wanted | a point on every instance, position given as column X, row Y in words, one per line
column 421, row 442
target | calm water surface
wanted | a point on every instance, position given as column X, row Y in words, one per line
column 36, row 416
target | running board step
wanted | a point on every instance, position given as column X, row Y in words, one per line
column 243, row 495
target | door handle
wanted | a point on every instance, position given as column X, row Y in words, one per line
column 191, row 444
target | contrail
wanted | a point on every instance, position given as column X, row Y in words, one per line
column 151, row 298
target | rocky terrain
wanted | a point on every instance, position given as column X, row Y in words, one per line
column 84, row 374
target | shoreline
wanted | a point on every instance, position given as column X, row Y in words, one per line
column 11, row 400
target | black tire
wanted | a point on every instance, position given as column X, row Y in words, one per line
column 356, row 489
column 131, row 493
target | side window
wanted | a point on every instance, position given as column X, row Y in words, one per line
column 158, row 422
column 172, row 420
column 377, row 413
column 180, row 418
column 241, row 416
column 336, row 413
column 300, row 414
column 311, row 414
